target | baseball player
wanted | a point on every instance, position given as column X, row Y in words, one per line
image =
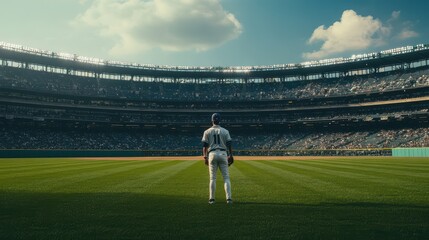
column 217, row 152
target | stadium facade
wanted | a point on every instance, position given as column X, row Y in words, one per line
column 375, row 92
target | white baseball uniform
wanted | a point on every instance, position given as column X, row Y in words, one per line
column 216, row 138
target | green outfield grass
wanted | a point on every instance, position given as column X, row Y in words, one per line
column 311, row 199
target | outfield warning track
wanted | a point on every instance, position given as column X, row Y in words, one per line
column 238, row 158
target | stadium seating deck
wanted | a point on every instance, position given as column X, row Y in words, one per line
column 43, row 109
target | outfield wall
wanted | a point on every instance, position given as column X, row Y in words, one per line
column 16, row 153
column 67, row 153
column 410, row 152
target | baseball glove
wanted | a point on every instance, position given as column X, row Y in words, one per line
column 230, row 160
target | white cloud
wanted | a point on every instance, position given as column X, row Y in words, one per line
column 407, row 33
column 401, row 30
column 352, row 32
column 395, row 15
column 171, row 25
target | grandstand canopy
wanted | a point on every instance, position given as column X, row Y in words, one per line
column 372, row 62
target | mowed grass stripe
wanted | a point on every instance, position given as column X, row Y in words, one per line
column 22, row 164
column 190, row 181
column 269, row 203
column 294, row 176
column 51, row 179
column 247, row 183
column 387, row 169
column 390, row 162
column 383, row 171
column 55, row 168
column 40, row 178
column 273, row 189
column 77, row 179
column 106, row 178
column 30, row 167
column 358, row 187
column 345, row 175
column 54, row 171
column 194, row 182
column 317, row 179
column 141, row 182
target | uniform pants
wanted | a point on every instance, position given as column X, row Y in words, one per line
column 219, row 159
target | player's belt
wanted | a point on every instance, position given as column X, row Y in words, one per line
column 217, row 149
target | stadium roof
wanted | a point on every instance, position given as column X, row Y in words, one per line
column 402, row 55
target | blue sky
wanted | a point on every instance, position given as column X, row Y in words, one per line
column 214, row 32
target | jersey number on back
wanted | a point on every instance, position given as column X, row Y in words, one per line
column 216, row 138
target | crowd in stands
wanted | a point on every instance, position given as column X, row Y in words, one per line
column 418, row 137
column 157, row 90
column 68, row 139
column 46, row 138
column 135, row 117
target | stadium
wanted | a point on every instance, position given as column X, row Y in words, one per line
column 92, row 148
column 366, row 104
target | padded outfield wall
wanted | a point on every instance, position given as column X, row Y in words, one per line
column 410, row 152
column 30, row 153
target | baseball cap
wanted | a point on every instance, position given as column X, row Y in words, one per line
column 216, row 117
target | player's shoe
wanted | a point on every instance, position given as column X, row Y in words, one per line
column 211, row 201
column 229, row 201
